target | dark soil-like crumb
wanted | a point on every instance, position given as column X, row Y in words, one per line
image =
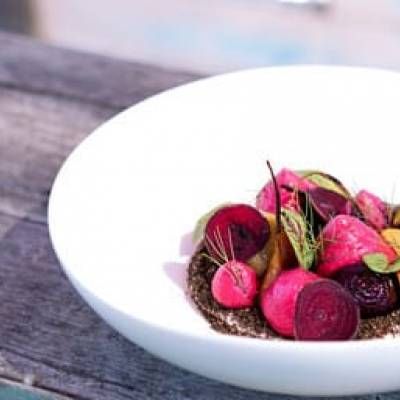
column 243, row 322
column 380, row 326
column 250, row 321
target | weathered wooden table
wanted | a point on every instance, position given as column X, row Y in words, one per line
column 52, row 346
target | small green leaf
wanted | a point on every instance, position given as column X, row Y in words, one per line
column 376, row 261
column 379, row 263
column 198, row 232
column 298, row 234
column 305, row 172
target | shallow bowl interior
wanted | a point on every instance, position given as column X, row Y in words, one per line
column 124, row 204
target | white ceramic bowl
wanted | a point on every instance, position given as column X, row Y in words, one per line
column 125, row 200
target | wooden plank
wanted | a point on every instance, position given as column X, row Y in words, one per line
column 33, row 66
column 36, row 134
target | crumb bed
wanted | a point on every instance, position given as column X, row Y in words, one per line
column 250, row 321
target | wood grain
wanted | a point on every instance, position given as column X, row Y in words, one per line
column 50, row 99
column 36, row 134
column 35, row 67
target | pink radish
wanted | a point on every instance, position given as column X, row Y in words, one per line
column 373, row 209
column 234, row 285
column 278, row 300
column 266, row 198
column 345, row 240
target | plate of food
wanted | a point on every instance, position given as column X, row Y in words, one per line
column 246, row 227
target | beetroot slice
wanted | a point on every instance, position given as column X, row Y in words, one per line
column 236, row 232
column 319, row 205
column 328, row 204
column 278, row 301
column 325, row 311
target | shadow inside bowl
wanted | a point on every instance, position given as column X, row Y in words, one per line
column 186, row 246
column 176, row 272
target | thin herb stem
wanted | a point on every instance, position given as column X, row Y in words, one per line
column 212, row 259
column 277, row 199
column 231, row 244
column 220, row 242
column 215, row 248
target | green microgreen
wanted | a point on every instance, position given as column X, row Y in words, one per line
column 379, row 263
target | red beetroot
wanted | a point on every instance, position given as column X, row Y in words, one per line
column 266, row 197
column 236, row 232
column 374, row 293
column 234, row 285
column 278, row 301
column 345, row 241
column 373, row 209
column 327, row 203
column 325, row 311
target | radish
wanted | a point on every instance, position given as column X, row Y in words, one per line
column 279, row 299
column 373, row 209
column 234, row 285
column 345, row 240
column 266, row 198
